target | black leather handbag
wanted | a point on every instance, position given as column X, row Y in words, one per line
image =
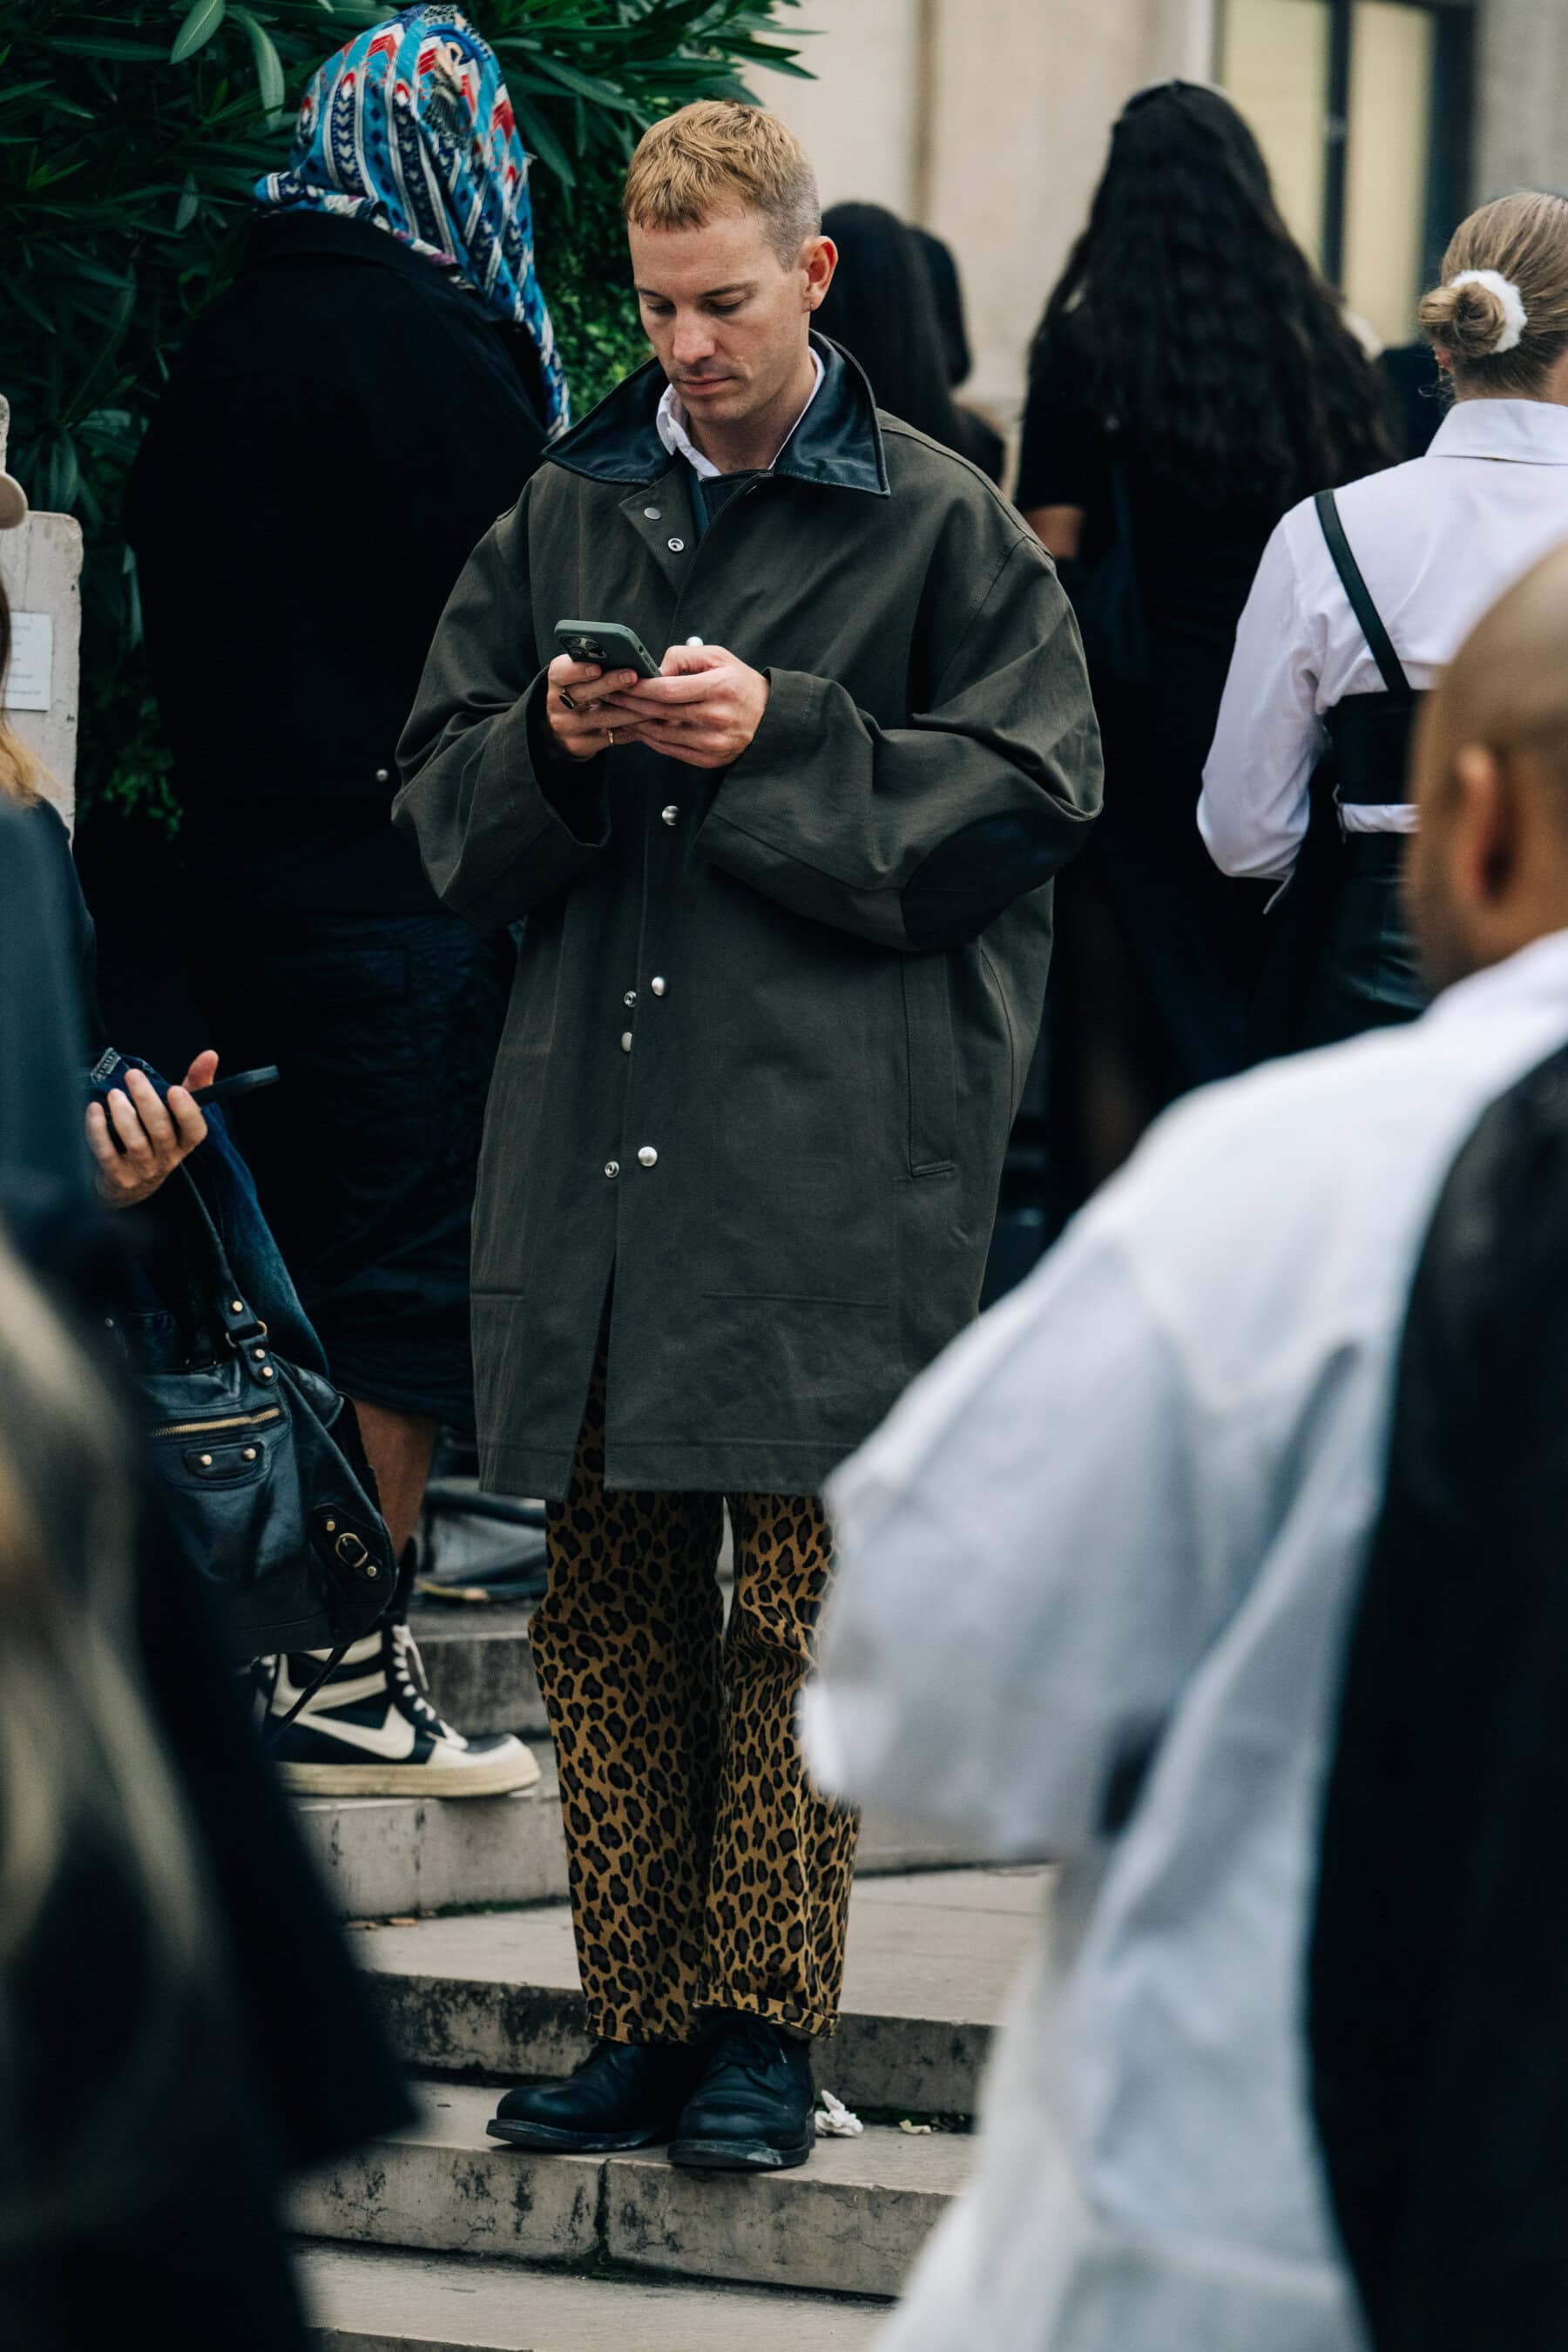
column 267, row 1489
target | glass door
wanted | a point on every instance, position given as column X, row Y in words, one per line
column 1363, row 109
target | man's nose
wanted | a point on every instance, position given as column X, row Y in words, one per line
column 694, row 342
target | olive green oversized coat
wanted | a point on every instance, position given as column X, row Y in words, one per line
column 770, row 1023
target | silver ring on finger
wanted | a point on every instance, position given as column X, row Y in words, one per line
column 567, row 701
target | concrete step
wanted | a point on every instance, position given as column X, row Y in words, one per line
column 929, row 1964
column 391, row 1855
column 850, row 2221
column 386, row 1855
column 366, row 2299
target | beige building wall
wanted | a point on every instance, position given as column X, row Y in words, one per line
column 1521, row 96
column 985, row 121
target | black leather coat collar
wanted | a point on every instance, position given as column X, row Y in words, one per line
column 838, row 443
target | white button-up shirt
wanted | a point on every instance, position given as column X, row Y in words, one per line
column 1128, row 1511
column 1438, row 541
column 673, row 424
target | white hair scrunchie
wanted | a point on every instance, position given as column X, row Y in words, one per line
column 1516, row 318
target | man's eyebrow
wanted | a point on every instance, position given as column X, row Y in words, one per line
column 741, row 286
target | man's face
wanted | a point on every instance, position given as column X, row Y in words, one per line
column 725, row 317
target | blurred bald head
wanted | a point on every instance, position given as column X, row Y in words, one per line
column 1489, row 866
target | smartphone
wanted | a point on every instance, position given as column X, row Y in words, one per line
column 244, row 1082
column 608, row 643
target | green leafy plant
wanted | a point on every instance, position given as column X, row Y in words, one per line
column 131, row 133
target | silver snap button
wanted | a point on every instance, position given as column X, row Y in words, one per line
column 671, row 816
column 677, row 546
column 653, row 513
column 384, row 775
column 694, row 641
column 626, row 1040
column 612, row 1168
column 657, row 986
column 648, row 1157
column 630, row 997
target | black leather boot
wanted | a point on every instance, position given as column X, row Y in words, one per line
column 751, row 2111
column 623, row 2094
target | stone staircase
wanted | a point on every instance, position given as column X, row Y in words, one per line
column 390, row 1855
column 439, row 2238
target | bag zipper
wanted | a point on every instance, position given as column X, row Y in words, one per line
column 231, row 1420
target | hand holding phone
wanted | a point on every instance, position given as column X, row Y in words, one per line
column 599, row 658
column 704, row 708
column 138, row 1138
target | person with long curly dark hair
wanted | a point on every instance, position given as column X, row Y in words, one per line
column 1192, row 378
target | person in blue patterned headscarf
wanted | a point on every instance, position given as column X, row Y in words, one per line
column 410, row 128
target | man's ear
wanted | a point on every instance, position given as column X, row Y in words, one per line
column 820, row 259
column 1487, row 820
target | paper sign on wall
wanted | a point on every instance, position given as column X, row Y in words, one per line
column 29, row 681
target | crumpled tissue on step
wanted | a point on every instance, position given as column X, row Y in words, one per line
column 834, row 2120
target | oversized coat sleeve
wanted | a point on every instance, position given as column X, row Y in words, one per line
column 918, row 836
column 501, row 826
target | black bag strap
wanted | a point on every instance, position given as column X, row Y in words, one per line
column 242, row 1326
column 277, row 1725
column 1377, row 637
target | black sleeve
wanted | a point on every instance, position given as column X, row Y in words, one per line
column 1062, row 436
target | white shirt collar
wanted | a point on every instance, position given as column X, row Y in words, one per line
column 673, row 422
column 1530, row 432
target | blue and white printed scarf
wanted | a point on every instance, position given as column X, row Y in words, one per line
column 410, row 128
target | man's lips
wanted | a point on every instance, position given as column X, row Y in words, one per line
column 698, row 385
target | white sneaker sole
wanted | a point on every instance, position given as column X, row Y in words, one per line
column 499, row 1776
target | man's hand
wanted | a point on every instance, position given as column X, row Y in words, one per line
column 576, row 704
column 704, row 708
column 156, row 1135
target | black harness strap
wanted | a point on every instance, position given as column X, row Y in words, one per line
column 1379, row 642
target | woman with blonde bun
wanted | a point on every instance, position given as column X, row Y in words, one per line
column 1361, row 597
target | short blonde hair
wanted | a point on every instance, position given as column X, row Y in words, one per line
column 1524, row 238
column 720, row 157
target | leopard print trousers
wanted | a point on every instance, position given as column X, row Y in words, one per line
column 706, row 1871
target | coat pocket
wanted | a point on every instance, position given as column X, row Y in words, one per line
column 930, row 1063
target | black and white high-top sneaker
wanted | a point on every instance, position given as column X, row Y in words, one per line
column 371, row 1731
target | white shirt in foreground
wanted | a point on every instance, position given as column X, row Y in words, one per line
column 1438, row 541
column 1132, row 1505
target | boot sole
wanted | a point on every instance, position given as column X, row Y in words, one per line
column 501, row 1779
column 739, row 2155
column 551, row 2139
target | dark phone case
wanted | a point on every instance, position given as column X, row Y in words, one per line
column 577, row 638
column 244, row 1082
